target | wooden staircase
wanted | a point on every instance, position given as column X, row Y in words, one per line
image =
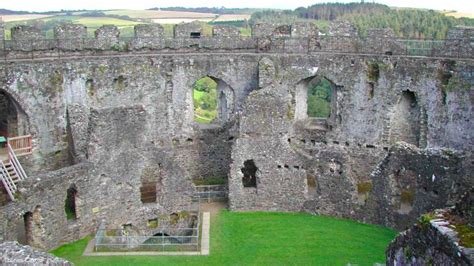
column 11, row 171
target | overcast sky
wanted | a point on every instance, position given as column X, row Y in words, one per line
column 47, row 5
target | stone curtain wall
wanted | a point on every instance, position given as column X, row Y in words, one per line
column 127, row 119
column 128, row 123
column 332, row 167
column 273, row 38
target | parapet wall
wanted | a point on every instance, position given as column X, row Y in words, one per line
column 268, row 38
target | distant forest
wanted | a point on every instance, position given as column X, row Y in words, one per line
column 406, row 23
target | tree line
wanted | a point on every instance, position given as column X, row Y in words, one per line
column 406, row 23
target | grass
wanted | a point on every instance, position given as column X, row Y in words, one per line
column 258, row 238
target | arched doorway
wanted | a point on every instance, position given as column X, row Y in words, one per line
column 13, row 120
column 213, row 100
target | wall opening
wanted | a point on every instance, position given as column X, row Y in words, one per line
column 205, row 100
column 148, row 192
column 250, row 174
column 212, row 100
column 319, row 98
column 32, row 228
column 195, row 35
column 70, row 203
column 315, row 99
column 13, row 120
column 282, row 31
column 71, row 151
column 28, row 227
column 311, row 183
column 407, row 198
column 405, row 124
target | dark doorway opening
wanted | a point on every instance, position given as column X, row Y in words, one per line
column 250, row 174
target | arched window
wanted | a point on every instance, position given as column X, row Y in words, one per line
column 315, row 98
column 213, row 100
column 70, row 203
column 319, row 98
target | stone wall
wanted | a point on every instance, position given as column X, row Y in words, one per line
column 134, row 125
column 188, row 30
column 70, row 36
column 436, row 239
column 225, row 31
column 300, row 37
column 346, row 166
column 127, row 121
column 12, row 253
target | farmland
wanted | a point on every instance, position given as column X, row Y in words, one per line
column 123, row 19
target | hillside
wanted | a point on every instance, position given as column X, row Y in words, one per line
column 407, row 23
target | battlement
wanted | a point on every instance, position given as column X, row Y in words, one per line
column 300, row 37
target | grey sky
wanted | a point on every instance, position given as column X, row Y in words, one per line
column 45, row 5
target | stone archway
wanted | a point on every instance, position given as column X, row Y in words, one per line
column 315, row 98
column 13, row 119
column 218, row 95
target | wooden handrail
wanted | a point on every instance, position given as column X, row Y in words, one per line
column 19, row 137
column 15, row 163
column 7, row 181
column 22, row 145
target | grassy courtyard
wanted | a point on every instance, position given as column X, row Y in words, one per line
column 258, row 238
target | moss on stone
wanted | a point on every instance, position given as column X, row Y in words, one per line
column 111, row 233
column 102, row 69
column 183, row 214
column 119, row 83
column 209, row 181
column 364, row 187
column 56, row 83
column 289, row 113
column 90, row 87
column 466, row 235
column 407, row 196
column 373, row 71
column 424, row 220
column 152, row 223
column 174, row 218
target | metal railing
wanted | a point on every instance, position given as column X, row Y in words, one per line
column 183, row 239
column 30, row 49
column 210, row 193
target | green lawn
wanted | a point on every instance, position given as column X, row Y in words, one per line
column 260, row 238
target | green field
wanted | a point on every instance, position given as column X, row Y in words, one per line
column 92, row 24
column 258, row 238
